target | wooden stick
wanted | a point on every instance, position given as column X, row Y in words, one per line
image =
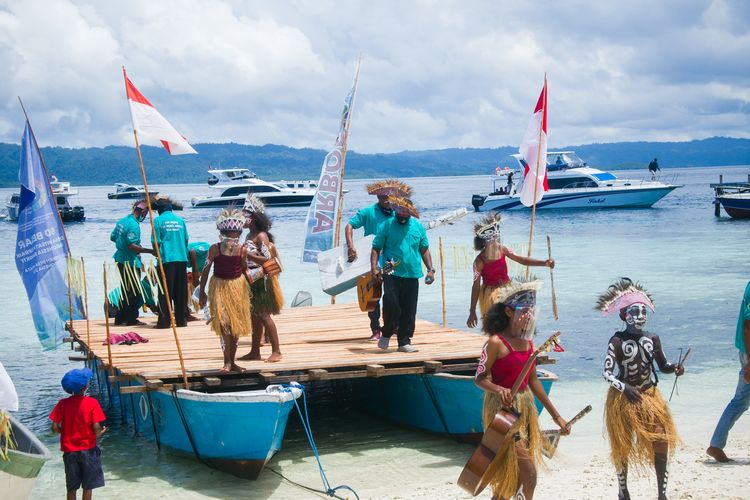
column 70, row 296
column 86, row 312
column 106, row 320
column 536, row 171
column 442, row 280
column 552, row 279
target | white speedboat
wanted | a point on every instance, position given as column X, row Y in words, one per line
column 125, row 191
column 573, row 184
column 230, row 187
column 61, row 191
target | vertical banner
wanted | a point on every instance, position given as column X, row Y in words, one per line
column 321, row 217
column 41, row 249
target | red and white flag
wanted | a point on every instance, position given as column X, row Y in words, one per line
column 153, row 129
column 533, row 149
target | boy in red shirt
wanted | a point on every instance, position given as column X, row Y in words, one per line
column 77, row 420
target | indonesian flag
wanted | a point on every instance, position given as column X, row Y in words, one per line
column 153, row 129
column 533, row 149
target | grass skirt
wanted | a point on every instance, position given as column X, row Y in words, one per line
column 229, row 304
column 267, row 297
column 487, row 294
column 632, row 428
column 504, row 469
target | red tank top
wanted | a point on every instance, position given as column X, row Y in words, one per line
column 505, row 370
column 495, row 273
column 228, row 267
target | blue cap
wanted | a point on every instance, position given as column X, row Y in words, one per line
column 76, row 380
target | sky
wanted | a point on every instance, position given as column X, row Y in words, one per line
column 434, row 74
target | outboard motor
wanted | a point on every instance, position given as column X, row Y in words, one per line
column 477, row 200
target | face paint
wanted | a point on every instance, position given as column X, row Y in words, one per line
column 635, row 316
column 524, row 314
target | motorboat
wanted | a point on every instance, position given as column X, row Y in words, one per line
column 572, row 184
column 62, row 192
column 230, row 187
column 734, row 197
column 127, row 191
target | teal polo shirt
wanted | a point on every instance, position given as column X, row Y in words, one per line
column 370, row 218
column 172, row 236
column 201, row 253
column 402, row 243
column 739, row 340
column 127, row 231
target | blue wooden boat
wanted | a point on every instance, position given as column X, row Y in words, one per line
column 443, row 403
column 236, row 432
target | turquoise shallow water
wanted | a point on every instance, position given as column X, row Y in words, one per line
column 696, row 266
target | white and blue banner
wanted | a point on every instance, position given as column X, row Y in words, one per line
column 41, row 249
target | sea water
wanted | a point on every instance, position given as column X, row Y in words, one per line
column 694, row 264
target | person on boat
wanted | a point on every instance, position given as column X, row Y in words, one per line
column 509, row 185
column 638, row 421
column 741, row 400
column 127, row 238
column 197, row 253
column 510, row 324
column 78, row 419
column 490, row 267
column 402, row 240
column 653, row 167
column 267, row 299
column 370, row 219
column 172, row 238
column 228, row 291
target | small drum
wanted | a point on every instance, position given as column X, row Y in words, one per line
column 272, row 267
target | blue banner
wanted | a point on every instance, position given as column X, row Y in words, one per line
column 41, row 249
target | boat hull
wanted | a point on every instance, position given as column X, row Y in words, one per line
column 236, row 432
column 269, row 201
column 130, row 195
column 442, row 403
column 19, row 473
column 737, row 207
column 581, row 198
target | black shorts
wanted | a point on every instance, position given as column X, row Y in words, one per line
column 83, row 469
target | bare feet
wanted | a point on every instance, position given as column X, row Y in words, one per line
column 718, row 454
column 237, row 368
column 275, row 357
column 251, row 356
column 226, row 368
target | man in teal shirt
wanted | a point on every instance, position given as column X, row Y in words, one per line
column 741, row 401
column 172, row 237
column 127, row 238
column 402, row 240
column 197, row 253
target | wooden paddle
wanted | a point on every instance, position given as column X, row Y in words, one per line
column 553, row 435
column 552, row 279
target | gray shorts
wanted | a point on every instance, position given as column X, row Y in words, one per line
column 83, row 469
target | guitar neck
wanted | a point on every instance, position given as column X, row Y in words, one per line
column 529, row 363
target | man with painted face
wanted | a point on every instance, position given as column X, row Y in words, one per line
column 402, row 240
column 638, row 421
column 127, row 238
column 370, row 218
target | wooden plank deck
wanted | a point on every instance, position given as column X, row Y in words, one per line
column 322, row 342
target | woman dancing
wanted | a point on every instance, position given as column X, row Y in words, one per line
column 639, row 425
column 228, row 292
column 490, row 267
column 510, row 325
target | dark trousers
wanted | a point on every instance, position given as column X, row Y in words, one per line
column 176, row 273
column 400, row 307
column 374, row 316
column 130, row 301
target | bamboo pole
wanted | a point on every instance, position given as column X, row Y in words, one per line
column 536, row 171
column 70, row 297
column 156, row 246
column 106, row 320
column 552, row 279
column 442, row 281
column 86, row 313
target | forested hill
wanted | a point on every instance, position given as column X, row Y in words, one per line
column 102, row 166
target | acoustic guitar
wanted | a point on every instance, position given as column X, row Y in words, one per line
column 370, row 289
column 498, row 438
column 553, row 435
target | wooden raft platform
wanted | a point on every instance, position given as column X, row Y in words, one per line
column 322, row 342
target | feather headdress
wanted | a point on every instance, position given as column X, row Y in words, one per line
column 401, row 204
column 515, row 289
column 489, row 227
column 230, row 220
column 621, row 294
column 163, row 202
column 390, row 187
column 253, row 204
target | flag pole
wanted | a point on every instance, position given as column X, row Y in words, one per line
column 536, row 172
column 442, row 280
column 156, row 244
column 337, row 227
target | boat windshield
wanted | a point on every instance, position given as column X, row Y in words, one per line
column 562, row 160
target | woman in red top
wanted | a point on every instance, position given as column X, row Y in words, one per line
column 490, row 267
column 510, row 324
column 228, row 292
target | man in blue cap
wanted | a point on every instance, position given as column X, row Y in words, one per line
column 78, row 421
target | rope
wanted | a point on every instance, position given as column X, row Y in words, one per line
column 187, row 429
column 305, row 419
column 431, row 392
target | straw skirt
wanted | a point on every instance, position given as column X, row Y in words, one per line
column 266, row 296
column 229, row 304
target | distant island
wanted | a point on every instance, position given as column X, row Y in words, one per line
column 103, row 166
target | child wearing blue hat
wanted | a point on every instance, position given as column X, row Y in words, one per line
column 78, row 421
